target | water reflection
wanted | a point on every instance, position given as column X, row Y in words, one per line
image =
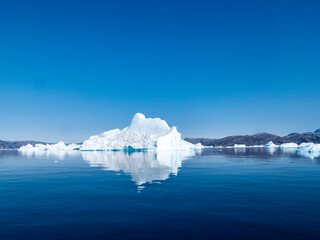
column 143, row 167
column 151, row 166
column 260, row 152
column 56, row 154
column 289, row 150
column 239, row 150
column 271, row 150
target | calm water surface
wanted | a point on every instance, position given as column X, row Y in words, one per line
column 213, row 194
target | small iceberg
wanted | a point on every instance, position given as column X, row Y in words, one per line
column 289, row 145
column 26, row 147
column 310, row 150
column 239, row 146
column 289, row 148
column 256, row 146
column 309, row 147
column 304, row 144
column 271, row 145
column 54, row 147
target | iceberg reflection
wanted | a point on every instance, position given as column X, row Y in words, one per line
column 143, row 167
column 57, row 154
column 289, row 150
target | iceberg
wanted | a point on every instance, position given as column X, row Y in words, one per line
column 26, row 147
column 54, row 154
column 256, row 146
column 271, row 145
column 304, row 144
column 289, row 145
column 142, row 134
column 310, row 147
column 43, row 147
column 310, row 150
column 239, row 146
column 289, row 148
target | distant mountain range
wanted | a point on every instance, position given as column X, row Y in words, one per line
column 249, row 140
column 259, row 139
column 16, row 144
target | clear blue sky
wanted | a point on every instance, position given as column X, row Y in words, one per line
column 71, row 69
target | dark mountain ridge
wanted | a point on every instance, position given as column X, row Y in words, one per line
column 249, row 140
column 16, row 144
column 258, row 139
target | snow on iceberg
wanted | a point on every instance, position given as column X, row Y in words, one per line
column 289, row 145
column 143, row 133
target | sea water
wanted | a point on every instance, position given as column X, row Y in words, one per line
column 208, row 194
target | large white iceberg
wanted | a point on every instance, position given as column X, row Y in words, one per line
column 143, row 133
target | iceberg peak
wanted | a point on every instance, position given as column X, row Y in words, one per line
column 140, row 123
column 138, row 116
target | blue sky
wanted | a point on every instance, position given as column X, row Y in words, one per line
column 71, row 69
